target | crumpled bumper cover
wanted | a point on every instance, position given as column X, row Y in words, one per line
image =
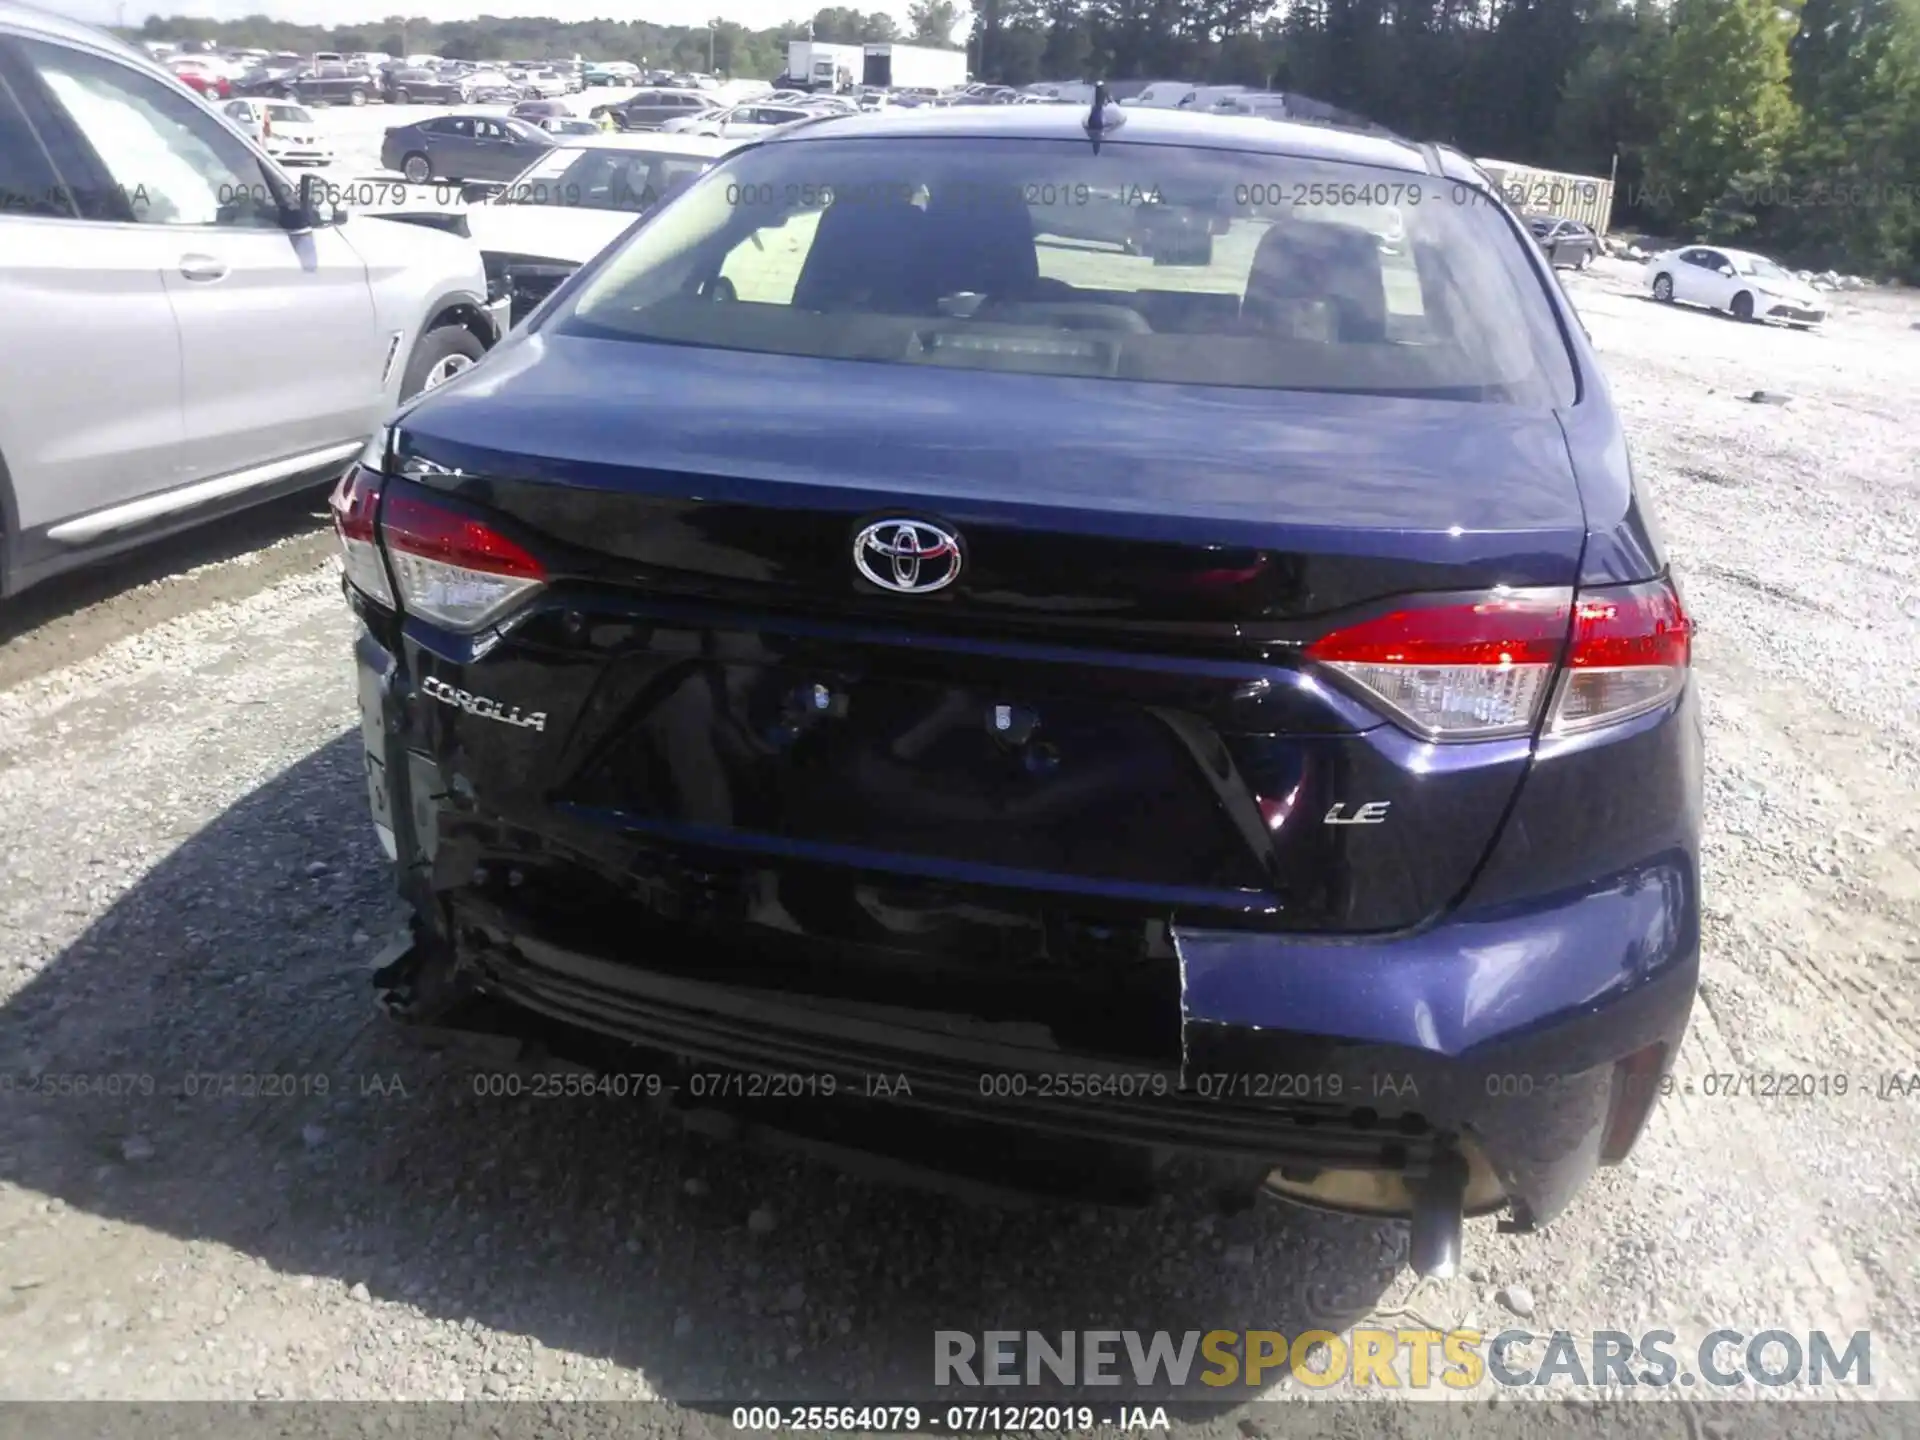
column 1504, row 1027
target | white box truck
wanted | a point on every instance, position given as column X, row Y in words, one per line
column 817, row 65
column 919, row 67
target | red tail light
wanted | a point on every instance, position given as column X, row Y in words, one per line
column 355, row 501
column 1477, row 669
column 1457, row 670
column 1632, row 648
column 454, row 570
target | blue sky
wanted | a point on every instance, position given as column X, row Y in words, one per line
column 755, row 13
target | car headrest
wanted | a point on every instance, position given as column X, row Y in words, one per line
column 1305, row 261
column 864, row 256
column 979, row 238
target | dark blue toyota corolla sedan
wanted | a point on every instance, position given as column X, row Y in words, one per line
column 1122, row 627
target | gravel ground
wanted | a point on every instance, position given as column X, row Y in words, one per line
column 188, row 885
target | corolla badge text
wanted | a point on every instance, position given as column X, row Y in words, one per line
column 480, row 705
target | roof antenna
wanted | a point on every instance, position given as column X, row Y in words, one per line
column 1105, row 116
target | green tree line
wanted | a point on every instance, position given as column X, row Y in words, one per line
column 1784, row 124
column 1788, row 125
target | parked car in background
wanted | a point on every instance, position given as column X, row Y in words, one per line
column 1564, row 242
column 1160, row 95
column 326, row 85
column 266, row 78
column 412, row 85
column 651, row 109
column 1205, row 97
column 285, row 129
column 491, row 87
column 205, row 82
column 1078, row 91
column 1184, row 755
column 569, row 125
column 463, row 147
column 136, row 397
column 738, row 122
column 610, row 72
column 570, row 204
column 985, row 95
column 1744, row 285
column 1285, row 105
column 545, row 83
column 207, row 75
column 537, row 110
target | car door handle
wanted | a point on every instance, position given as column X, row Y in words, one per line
column 202, row 267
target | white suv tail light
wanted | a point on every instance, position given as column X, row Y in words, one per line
column 1482, row 668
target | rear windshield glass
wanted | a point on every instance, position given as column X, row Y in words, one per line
column 1149, row 263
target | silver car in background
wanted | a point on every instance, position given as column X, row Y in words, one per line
column 183, row 331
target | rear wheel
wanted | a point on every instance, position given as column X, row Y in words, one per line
column 357, row 97
column 1663, row 288
column 417, row 168
column 441, row 354
column 1742, row 306
column 400, row 97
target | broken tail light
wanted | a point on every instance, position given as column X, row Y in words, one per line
column 355, row 502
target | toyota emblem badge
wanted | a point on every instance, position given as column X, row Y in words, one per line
column 910, row 557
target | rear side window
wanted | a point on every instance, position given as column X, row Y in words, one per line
column 171, row 162
column 1147, row 263
column 29, row 185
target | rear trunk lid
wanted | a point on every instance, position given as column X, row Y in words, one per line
column 732, row 473
column 1108, row 701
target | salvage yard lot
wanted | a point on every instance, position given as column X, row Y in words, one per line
column 189, row 888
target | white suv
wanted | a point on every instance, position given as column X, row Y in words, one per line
column 183, row 331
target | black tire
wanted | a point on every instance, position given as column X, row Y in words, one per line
column 420, row 174
column 357, row 97
column 1742, row 307
column 434, row 349
column 399, row 98
column 1663, row 289
column 720, row 290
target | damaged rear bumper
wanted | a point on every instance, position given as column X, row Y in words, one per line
column 1494, row 1060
